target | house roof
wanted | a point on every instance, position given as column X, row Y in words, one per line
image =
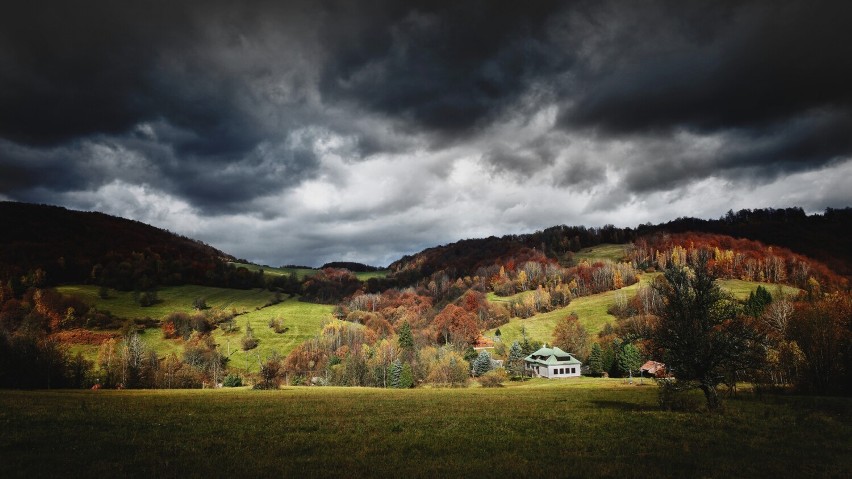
column 552, row 356
column 651, row 367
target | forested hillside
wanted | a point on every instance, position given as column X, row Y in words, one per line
column 46, row 245
column 824, row 237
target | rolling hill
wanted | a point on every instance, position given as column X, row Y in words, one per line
column 49, row 245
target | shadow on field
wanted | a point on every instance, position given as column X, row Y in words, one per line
column 622, row 406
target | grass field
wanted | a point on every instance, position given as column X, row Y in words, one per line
column 571, row 428
column 302, row 273
column 592, row 310
column 602, row 252
column 304, row 320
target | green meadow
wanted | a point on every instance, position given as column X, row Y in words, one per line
column 602, row 252
column 302, row 273
column 570, row 428
column 303, row 320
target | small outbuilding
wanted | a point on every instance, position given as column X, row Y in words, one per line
column 654, row 369
column 552, row 363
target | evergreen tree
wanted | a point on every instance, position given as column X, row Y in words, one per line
column 406, row 377
column 526, row 347
column 629, row 359
column 757, row 302
column 515, row 361
column 406, row 339
column 596, row 360
column 395, row 373
column 482, row 363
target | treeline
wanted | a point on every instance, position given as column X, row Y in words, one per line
column 351, row 266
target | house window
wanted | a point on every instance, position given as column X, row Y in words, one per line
column 573, row 370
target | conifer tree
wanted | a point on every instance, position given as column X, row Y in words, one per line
column 482, row 363
column 515, row 361
column 395, row 373
column 406, row 377
column 596, row 360
column 526, row 347
column 406, row 339
column 629, row 359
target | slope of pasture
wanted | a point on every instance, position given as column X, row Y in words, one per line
column 741, row 289
column 302, row 273
column 304, row 320
column 601, row 252
column 171, row 298
column 584, row 427
column 592, row 310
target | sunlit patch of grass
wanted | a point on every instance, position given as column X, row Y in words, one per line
column 741, row 289
column 579, row 427
column 591, row 311
column 602, row 252
column 302, row 320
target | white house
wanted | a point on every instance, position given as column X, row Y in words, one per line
column 552, row 363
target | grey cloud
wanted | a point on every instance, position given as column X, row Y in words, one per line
column 226, row 106
column 580, row 173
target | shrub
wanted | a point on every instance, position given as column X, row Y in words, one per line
column 147, row 298
column 232, row 381
column 493, row 379
column 278, row 326
column 199, row 303
column 248, row 343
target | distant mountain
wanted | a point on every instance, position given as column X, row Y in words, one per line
column 45, row 245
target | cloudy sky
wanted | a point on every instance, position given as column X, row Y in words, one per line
column 305, row 132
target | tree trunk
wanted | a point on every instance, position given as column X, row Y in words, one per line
column 711, row 396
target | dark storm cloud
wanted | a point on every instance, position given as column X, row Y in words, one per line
column 447, row 67
column 712, row 65
column 362, row 111
column 191, row 72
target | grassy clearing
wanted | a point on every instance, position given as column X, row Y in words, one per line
column 602, row 252
column 173, row 298
column 302, row 273
column 578, row 428
column 741, row 289
column 591, row 310
column 304, row 320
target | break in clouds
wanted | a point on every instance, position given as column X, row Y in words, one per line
column 305, row 132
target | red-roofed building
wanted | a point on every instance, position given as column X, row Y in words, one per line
column 654, row 369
